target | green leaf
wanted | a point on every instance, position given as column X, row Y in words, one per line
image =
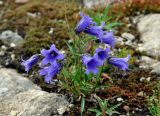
column 100, row 102
column 111, row 25
column 82, row 105
column 105, row 14
column 65, row 73
column 94, row 110
column 110, row 110
column 111, row 113
column 99, row 114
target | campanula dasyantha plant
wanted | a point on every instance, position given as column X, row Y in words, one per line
column 52, row 60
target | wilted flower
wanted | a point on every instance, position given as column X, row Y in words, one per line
column 84, row 23
column 91, row 64
column 30, row 62
column 101, row 54
column 49, row 72
column 96, row 31
column 51, row 55
column 108, row 38
column 119, row 62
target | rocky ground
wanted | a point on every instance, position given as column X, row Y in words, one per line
column 19, row 96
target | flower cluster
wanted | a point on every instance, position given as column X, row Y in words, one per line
column 88, row 26
column 49, row 64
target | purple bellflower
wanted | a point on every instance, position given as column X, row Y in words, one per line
column 108, row 38
column 91, row 64
column 95, row 30
column 49, row 72
column 51, row 55
column 30, row 62
column 84, row 23
column 119, row 62
column 102, row 54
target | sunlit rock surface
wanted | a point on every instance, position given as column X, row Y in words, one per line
column 149, row 28
column 19, row 96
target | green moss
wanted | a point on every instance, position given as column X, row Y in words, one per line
column 53, row 14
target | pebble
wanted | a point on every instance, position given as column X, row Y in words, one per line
column 13, row 56
column 12, row 45
column 119, row 41
column 8, row 37
column 142, row 79
column 141, row 94
column 2, row 53
column 51, row 31
column 34, row 15
column 128, row 36
column 21, row 1
column 126, row 108
column 119, row 99
column 148, row 79
column 1, row 2
column 4, row 47
column 61, row 110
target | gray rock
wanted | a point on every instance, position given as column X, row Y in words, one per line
column 128, row 36
column 19, row 96
column 140, row 94
column 119, row 41
column 147, row 62
column 156, row 68
column 9, row 37
column 21, row 1
column 1, row 3
column 149, row 29
column 91, row 3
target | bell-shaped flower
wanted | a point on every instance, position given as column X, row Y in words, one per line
column 49, row 72
column 84, row 23
column 91, row 64
column 96, row 31
column 108, row 38
column 121, row 63
column 101, row 54
column 51, row 55
column 30, row 62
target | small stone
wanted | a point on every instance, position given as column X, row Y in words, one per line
column 71, row 105
column 13, row 56
column 4, row 47
column 63, row 52
column 126, row 108
column 2, row 53
column 148, row 79
column 1, row 2
column 141, row 94
column 119, row 99
column 61, row 110
column 128, row 36
column 142, row 79
column 12, row 45
column 119, row 41
column 33, row 15
column 9, row 37
column 21, row 1
column 129, row 25
column 51, row 31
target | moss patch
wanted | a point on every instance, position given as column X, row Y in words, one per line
column 49, row 14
